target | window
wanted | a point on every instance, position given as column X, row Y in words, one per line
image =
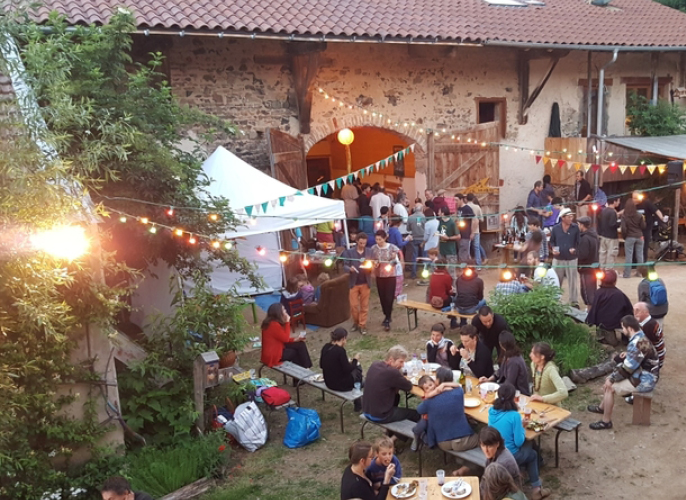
column 643, row 86
column 492, row 110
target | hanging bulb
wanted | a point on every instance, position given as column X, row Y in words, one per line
column 216, row 244
column 153, row 229
column 328, row 262
column 122, row 219
column 306, row 262
column 652, row 275
column 178, row 232
column 469, row 272
column 192, row 240
column 506, row 275
column 144, row 220
column 388, row 268
column 594, row 206
column 253, row 221
column 170, row 211
column 541, row 272
column 599, row 275
column 214, row 217
column 425, row 273
column 228, row 245
column 462, row 224
column 261, row 251
column 283, row 257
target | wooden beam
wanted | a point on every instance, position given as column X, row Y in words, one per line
column 304, row 66
column 523, row 81
column 456, row 174
column 532, row 97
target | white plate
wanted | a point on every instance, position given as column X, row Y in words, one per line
column 432, row 367
column 465, row 490
column 396, row 487
column 490, row 386
column 470, row 402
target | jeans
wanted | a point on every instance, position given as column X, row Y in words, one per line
column 476, row 248
column 463, row 250
column 470, row 310
column 631, row 244
column 527, row 457
column 589, row 284
column 415, row 250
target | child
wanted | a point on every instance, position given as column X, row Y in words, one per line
column 320, row 279
column 384, row 451
column 428, row 385
column 306, row 289
column 291, row 293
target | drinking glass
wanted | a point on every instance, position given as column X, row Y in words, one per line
column 358, row 387
column 440, row 475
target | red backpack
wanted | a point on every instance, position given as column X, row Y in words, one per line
column 275, row 396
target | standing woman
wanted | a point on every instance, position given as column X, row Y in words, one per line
column 548, row 385
column 386, row 256
column 355, row 484
column 512, row 368
column 633, row 225
column 339, row 373
column 277, row 343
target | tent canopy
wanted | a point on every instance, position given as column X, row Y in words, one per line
column 669, row 146
column 244, row 186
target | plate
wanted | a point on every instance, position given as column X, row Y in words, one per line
column 470, row 402
column 490, row 386
column 397, row 490
column 465, row 490
column 432, row 367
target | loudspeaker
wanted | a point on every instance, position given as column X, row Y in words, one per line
column 675, row 172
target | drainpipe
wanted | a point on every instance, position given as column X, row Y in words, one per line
column 654, row 59
column 600, row 117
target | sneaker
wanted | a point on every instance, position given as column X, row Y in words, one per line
column 629, row 399
column 599, row 426
column 414, row 445
column 363, row 330
column 355, row 328
column 540, row 493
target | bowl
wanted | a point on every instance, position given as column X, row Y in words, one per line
column 490, row 386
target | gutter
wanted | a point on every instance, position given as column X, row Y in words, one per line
column 594, row 48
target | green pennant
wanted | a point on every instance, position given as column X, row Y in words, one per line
column 325, row 187
column 248, row 210
column 311, row 191
column 339, row 182
column 351, row 178
column 282, row 200
column 264, row 206
column 298, row 193
column 401, row 154
column 382, row 164
column 363, row 172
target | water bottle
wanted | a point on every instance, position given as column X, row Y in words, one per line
column 413, row 367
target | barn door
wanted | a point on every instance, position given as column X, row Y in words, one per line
column 287, row 158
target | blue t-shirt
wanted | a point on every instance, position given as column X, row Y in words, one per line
column 509, row 424
column 447, row 420
column 376, row 471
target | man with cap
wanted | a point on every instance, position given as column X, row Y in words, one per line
column 588, row 255
column 564, row 240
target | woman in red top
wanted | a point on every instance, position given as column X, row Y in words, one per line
column 277, row 344
column 441, row 284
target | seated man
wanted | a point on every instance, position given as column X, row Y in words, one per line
column 469, row 289
column 489, row 325
column 609, row 306
column 384, row 380
column 476, row 357
column 652, row 329
column 509, row 284
column 633, row 373
column 438, row 348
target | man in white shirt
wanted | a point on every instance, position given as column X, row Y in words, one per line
column 476, row 239
column 379, row 199
column 400, row 211
column 430, row 230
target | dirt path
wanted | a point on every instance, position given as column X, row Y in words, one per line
column 624, row 463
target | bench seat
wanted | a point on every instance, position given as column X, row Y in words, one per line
column 402, row 428
column 474, row 456
column 413, row 306
column 567, row 425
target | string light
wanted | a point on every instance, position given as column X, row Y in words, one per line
column 216, row 244
column 594, row 206
column 122, row 219
column 253, row 221
column 652, row 275
column 468, row 272
column 228, row 245
column 599, row 275
column 214, row 217
column 328, row 262
column 388, row 268
column 367, row 264
column 425, row 273
column 153, row 229
column 178, row 232
column 283, row 257
column 306, row 262
column 261, row 251
column 506, row 275
column 144, row 220
column 170, row 211
column 192, row 240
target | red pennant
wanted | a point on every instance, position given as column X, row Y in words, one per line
column 613, row 167
column 538, row 159
column 561, row 163
column 642, row 169
column 595, row 167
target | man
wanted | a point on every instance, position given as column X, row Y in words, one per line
column 466, row 227
column 349, row 196
column 476, row 358
column 448, row 237
column 609, row 306
column 607, row 233
column 588, row 255
column 476, row 233
column 564, row 240
column 548, row 191
column 379, row 199
column 429, row 195
column 118, row 488
column 584, row 194
column 360, row 281
column 632, row 375
column 439, row 202
column 652, row 215
column 490, row 325
column 540, row 274
column 430, row 230
column 469, row 293
column 652, row 329
column 415, row 226
column 381, row 391
column 400, row 211
column 652, row 291
column 534, row 205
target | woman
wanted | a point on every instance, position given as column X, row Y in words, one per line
column 277, row 344
column 355, row 484
column 438, row 348
column 325, row 232
column 497, row 484
column 548, row 385
column 503, row 415
column 386, row 256
column 441, row 285
column 512, row 368
column 519, row 223
column 339, row 373
column 633, row 225
column 493, row 446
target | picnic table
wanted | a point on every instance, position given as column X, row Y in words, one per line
column 552, row 415
column 508, row 252
column 429, row 489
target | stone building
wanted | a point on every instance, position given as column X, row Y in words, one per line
column 466, row 80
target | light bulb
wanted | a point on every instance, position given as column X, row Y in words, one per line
column 192, row 240
column 388, row 268
column 144, row 220
column 328, row 262
column 306, row 262
column 178, row 232
column 214, row 217
column 122, row 219
column 228, row 245
column 216, row 244
column 652, row 275
column 153, row 229
column 425, row 274
column 283, row 257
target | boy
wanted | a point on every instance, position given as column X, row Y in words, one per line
column 428, row 385
column 384, row 451
column 430, row 262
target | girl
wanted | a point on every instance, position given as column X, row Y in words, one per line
column 548, row 385
column 497, row 484
column 386, row 256
column 339, row 373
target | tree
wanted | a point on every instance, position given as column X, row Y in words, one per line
column 675, row 4
column 663, row 119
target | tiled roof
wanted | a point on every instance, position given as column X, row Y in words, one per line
column 623, row 22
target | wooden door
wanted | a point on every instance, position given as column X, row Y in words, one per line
column 287, row 158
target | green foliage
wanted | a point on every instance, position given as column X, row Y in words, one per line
column 577, row 348
column 647, row 120
column 675, row 4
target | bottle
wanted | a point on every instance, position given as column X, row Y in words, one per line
column 415, row 365
column 462, row 380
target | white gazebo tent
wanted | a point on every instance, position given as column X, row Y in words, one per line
column 245, row 186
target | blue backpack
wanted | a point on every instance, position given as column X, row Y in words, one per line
column 658, row 293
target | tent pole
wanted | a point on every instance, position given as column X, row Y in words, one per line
column 345, row 231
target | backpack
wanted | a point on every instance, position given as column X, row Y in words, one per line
column 658, row 293
column 248, row 426
column 275, row 396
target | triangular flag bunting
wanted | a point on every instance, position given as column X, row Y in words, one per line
column 622, row 168
column 595, row 167
column 382, row 164
column 273, row 203
column 282, row 200
column 325, row 188
column 651, row 169
column 298, row 193
column 332, row 184
column 264, row 206
column 633, row 169
column 412, row 147
column 642, row 169
column 351, row 178
column 613, row 167
column 553, row 162
column 577, row 166
column 363, row 172
column 538, row 158
column 311, row 191
column 290, row 198
column 561, row 163
column 401, row 154
column 257, row 209
column 546, row 162
column 587, row 167
column 319, row 190
column 248, row 210
column 377, row 165
column 339, row 182
column 604, row 167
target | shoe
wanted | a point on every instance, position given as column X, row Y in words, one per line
column 414, row 445
column 629, row 399
column 540, row 493
column 386, row 325
column 363, row 330
column 355, row 328
column 595, row 409
column 599, row 426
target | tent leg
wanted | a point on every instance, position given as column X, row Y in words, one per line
column 345, row 231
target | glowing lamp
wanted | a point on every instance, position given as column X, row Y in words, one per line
column 594, row 207
column 153, row 229
column 122, row 219
column 253, row 221
column 367, row 264
column 462, row 224
column 283, row 257
column 328, row 262
column 388, row 268
column 599, row 275
column 506, row 275
column 652, row 275
column 469, row 272
column 541, row 272
column 483, row 144
column 640, row 196
column 63, row 242
column 144, row 220
column 345, row 136
column 192, row 240
column 216, row 244
column 379, row 225
column 261, row 251
column 505, row 216
column 178, row 232
column 306, row 262
column 228, row 245
column 214, row 217
column 170, row 211
column 425, row 273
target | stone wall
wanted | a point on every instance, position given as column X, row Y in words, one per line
column 435, row 87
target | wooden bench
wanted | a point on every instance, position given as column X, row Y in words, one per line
column 642, row 405
column 413, row 306
column 474, row 456
column 402, row 427
column 567, row 425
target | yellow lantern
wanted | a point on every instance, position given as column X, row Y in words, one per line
column 346, row 136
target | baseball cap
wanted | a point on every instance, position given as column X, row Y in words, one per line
column 586, row 221
column 566, row 211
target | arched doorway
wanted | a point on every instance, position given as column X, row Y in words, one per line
column 326, row 160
